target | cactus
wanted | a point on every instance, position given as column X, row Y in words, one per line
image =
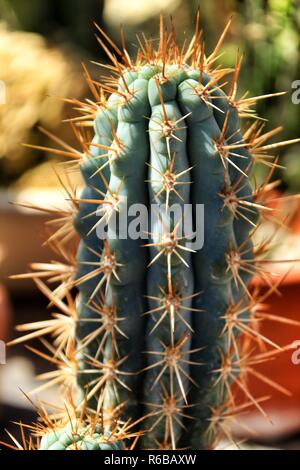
column 79, row 439
column 159, row 330
column 81, row 433
column 72, row 430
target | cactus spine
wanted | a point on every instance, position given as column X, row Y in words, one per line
column 157, row 336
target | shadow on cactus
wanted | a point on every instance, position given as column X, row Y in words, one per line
column 154, row 330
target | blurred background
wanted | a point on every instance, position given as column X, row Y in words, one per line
column 42, row 46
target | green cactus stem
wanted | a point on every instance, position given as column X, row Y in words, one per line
column 160, row 319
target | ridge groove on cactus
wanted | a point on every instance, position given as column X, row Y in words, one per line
column 154, row 329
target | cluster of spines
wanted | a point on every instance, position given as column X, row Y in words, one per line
column 67, row 428
column 93, row 339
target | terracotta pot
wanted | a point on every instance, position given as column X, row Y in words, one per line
column 283, row 411
column 5, row 323
column 23, row 234
column 5, row 313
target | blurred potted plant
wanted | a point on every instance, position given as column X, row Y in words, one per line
column 35, row 77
